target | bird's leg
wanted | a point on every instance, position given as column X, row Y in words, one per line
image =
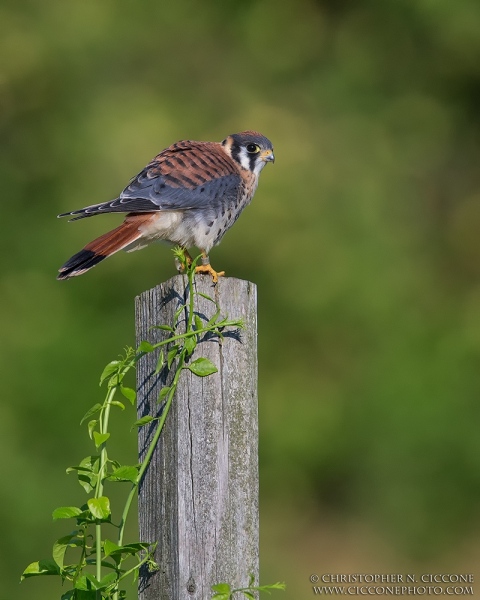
column 188, row 258
column 207, row 269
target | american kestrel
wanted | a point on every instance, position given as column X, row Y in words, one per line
column 190, row 195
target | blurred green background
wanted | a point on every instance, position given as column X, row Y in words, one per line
column 363, row 239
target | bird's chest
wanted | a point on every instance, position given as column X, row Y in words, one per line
column 208, row 225
column 230, row 211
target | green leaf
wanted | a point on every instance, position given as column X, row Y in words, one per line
column 88, row 464
column 152, row 566
column 109, row 370
column 190, row 344
column 93, row 580
column 223, row 588
column 124, row 473
column 91, row 426
column 272, row 586
column 88, row 482
column 214, row 319
column 118, row 403
column 99, row 507
column 84, row 583
column 202, row 367
column 66, row 512
column 100, row 438
column 198, row 322
column 61, row 545
column 143, row 421
column 206, row 297
column 41, row 567
column 95, row 408
column 220, row 596
column 70, row 595
column 116, row 552
column 164, row 392
column 145, row 347
column 172, row 353
column 134, row 548
column 108, row 580
column 58, row 553
column 160, row 362
column 85, row 517
column 178, row 312
column 129, row 394
column 109, row 547
column 179, row 254
column 87, row 472
column 104, row 563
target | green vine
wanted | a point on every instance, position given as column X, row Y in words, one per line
column 97, row 565
column 223, row 591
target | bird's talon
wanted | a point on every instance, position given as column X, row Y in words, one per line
column 209, row 270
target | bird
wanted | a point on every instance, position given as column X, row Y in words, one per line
column 189, row 195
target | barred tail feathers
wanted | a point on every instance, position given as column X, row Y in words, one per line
column 104, row 246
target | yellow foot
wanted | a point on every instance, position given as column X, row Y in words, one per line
column 208, row 270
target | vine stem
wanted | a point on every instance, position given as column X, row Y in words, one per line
column 187, row 334
column 161, row 421
column 104, row 419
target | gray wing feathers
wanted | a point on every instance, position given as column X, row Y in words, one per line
column 147, row 194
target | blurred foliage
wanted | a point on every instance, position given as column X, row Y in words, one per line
column 363, row 239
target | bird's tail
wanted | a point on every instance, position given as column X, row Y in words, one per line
column 103, row 247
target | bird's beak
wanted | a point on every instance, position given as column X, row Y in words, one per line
column 267, row 156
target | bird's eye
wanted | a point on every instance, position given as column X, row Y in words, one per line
column 252, row 148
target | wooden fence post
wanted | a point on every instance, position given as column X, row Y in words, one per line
column 199, row 495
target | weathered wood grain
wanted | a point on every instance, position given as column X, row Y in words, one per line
column 199, row 496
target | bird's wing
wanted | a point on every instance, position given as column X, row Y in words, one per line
column 187, row 175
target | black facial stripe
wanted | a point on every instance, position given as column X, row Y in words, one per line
column 235, row 150
column 252, row 161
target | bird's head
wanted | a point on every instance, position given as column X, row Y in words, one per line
column 250, row 149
